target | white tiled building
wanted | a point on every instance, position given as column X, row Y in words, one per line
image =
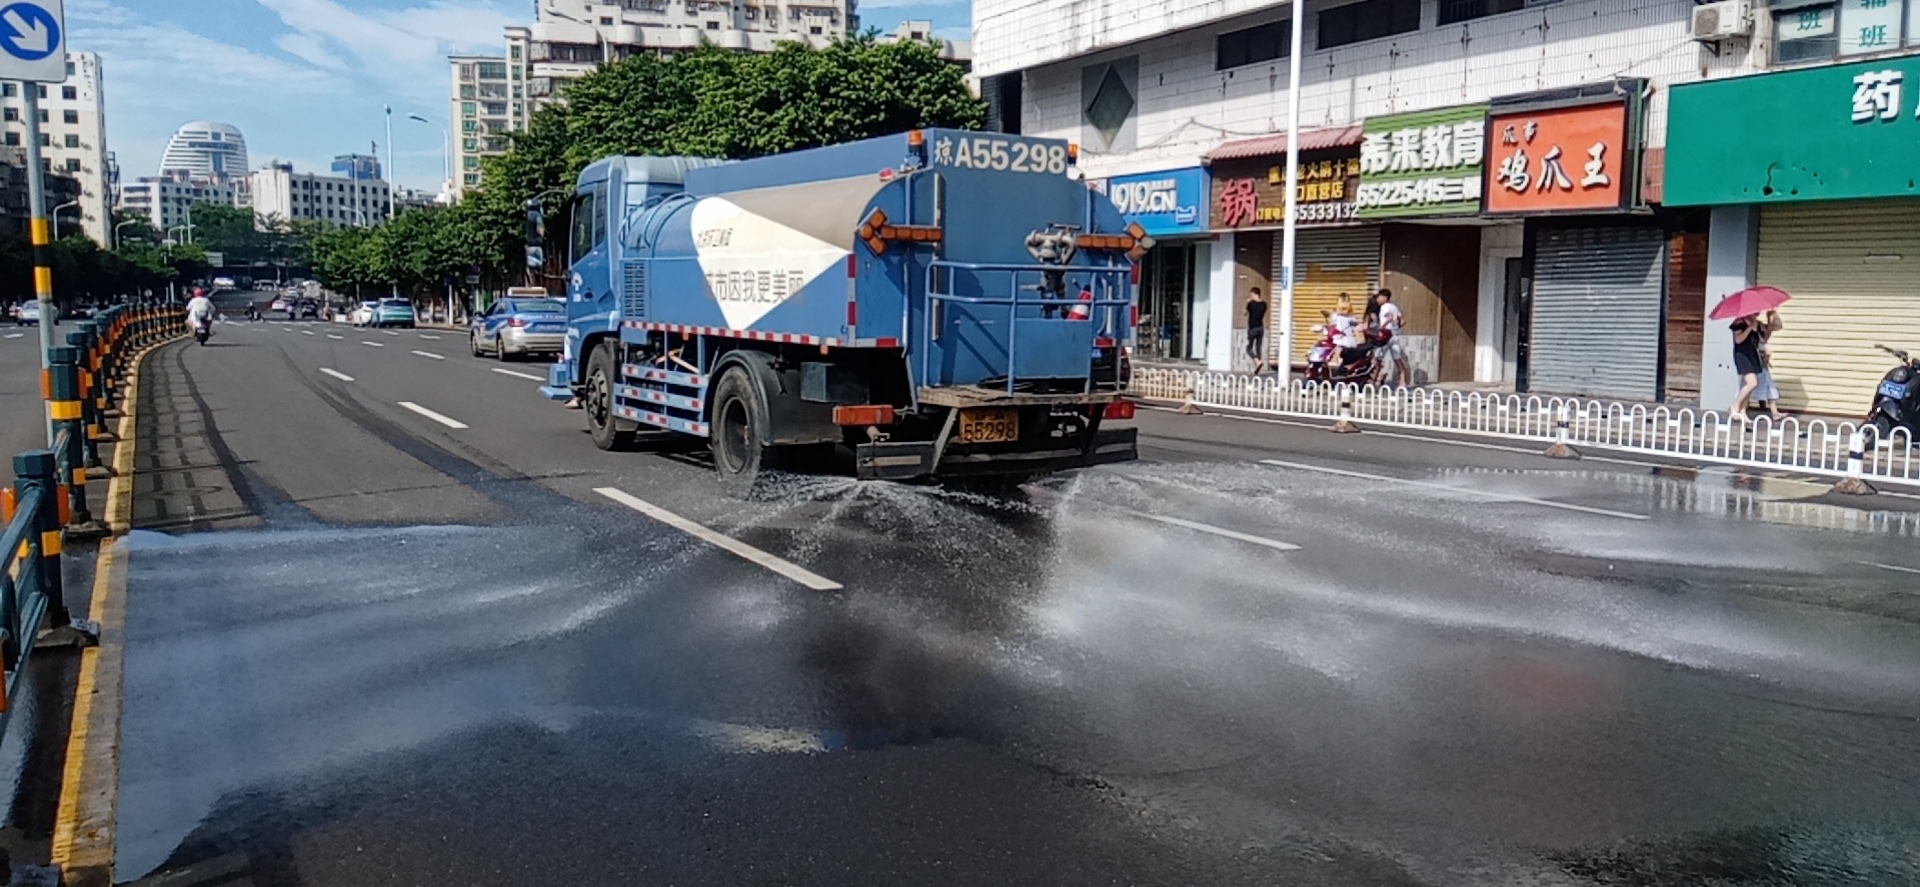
column 167, row 201
column 1150, row 88
column 73, row 138
column 280, row 193
column 486, row 105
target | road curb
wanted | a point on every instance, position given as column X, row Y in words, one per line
column 84, row 827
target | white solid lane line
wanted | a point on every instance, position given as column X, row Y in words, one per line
column 1491, row 497
column 429, row 354
column 1274, row 544
column 519, row 375
column 450, row 423
column 373, row 344
column 1892, row 567
column 337, row 374
column 332, row 336
column 747, row 552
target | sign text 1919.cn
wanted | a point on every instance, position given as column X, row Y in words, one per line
column 1000, row 155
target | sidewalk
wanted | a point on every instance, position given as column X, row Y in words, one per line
column 1814, row 445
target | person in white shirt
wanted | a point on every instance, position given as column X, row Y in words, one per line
column 199, row 309
column 1390, row 319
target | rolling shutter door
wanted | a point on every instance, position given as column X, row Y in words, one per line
column 1854, row 272
column 1597, row 300
column 1331, row 261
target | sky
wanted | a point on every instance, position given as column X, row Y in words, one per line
column 306, row 80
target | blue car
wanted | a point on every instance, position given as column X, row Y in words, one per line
column 393, row 312
column 519, row 326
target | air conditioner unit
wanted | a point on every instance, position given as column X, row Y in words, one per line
column 1718, row 21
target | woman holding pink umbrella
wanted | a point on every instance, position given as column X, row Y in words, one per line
column 1749, row 331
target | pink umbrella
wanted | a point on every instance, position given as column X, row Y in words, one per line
column 1749, row 301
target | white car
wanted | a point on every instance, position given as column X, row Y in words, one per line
column 28, row 312
column 362, row 314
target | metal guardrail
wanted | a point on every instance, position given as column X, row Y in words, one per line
column 47, row 504
column 1812, row 446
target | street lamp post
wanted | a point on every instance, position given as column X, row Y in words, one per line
column 116, row 230
column 446, row 150
column 1283, row 365
column 71, row 204
column 606, row 49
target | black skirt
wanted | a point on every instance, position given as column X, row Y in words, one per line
column 1746, row 363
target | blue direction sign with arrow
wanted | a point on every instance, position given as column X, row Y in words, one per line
column 33, row 41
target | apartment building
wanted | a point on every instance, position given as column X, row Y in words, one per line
column 486, row 104
column 1498, row 164
column 280, row 193
column 73, row 138
column 167, row 201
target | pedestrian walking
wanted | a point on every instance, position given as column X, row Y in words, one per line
column 1257, row 329
column 1746, row 362
column 1393, row 365
column 1767, row 394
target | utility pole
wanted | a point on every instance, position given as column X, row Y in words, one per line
column 42, row 255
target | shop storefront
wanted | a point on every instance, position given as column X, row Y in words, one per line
column 1421, row 176
column 1335, row 254
column 1595, row 322
column 1170, row 205
column 1811, row 177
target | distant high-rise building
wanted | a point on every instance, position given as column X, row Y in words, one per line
column 73, row 139
column 281, row 195
column 206, row 148
column 356, row 166
column 167, row 201
column 481, row 106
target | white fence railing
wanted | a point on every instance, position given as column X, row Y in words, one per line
column 1814, row 446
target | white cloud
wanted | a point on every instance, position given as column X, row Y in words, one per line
column 309, row 50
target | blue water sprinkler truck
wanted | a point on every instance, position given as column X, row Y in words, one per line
column 945, row 303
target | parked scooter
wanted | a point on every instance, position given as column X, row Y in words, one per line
column 1896, row 403
column 1359, row 370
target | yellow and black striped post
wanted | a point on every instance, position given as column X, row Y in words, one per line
column 69, row 412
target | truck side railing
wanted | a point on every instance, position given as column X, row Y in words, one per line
column 1110, row 286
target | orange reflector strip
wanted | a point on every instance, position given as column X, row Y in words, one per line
column 9, row 504
column 50, row 543
column 866, row 414
column 64, row 410
column 66, row 503
column 46, row 384
column 1121, row 410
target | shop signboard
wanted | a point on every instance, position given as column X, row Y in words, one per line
column 1833, row 132
column 1252, row 193
column 1166, row 203
column 1560, row 159
column 1426, row 163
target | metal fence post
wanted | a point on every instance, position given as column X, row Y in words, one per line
column 81, row 341
column 1562, row 435
column 69, row 411
column 1855, row 484
column 34, row 470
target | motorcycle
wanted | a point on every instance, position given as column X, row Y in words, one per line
column 1358, row 371
column 202, row 330
column 1896, row 403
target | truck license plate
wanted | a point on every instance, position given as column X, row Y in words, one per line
column 989, row 426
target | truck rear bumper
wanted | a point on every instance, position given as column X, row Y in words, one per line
column 912, row 459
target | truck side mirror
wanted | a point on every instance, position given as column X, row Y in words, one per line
column 536, row 235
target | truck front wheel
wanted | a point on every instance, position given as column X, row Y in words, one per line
column 739, row 429
column 598, row 402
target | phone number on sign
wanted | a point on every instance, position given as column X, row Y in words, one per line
column 1307, row 212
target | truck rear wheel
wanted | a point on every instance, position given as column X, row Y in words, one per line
column 739, row 429
column 597, row 402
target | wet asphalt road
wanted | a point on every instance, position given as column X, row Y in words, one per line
column 365, row 647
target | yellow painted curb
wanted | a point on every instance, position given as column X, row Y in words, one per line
column 83, row 832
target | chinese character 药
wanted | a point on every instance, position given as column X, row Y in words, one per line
column 1876, row 94
column 1597, row 167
